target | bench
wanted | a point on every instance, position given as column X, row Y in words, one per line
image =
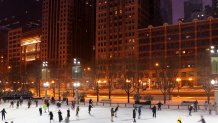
column 105, row 101
column 187, row 103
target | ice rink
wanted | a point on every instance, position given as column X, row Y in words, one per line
column 101, row 114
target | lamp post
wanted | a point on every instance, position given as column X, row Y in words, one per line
column 128, row 89
column 178, row 82
column 46, row 86
column 97, row 89
column 76, row 85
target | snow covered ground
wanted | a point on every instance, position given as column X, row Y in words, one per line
column 101, row 114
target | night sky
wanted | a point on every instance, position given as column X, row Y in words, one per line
column 22, row 9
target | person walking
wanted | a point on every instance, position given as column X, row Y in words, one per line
column 139, row 112
column 202, row 120
column 40, row 111
column 112, row 114
column 36, row 102
column 18, row 104
column 159, row 104
column 196, row 106
column 179, row 120
column 205, row 105
column 134, row 115
column 190, row 110
column 116, row 110
column 60, row 116
column 77, row 111
column 29, row 103
column 51, row 116
column 89, row 108
column 68, row 113
column 3, row 114
column 154, row 111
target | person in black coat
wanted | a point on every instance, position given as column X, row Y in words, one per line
column 3, row 114
column 154, row 111
column 36, row 101
column 196, row 106
column 116, row 110
column 60, row 116
column 202, row 120
column 18, row 104
column 29, row 103
column 47, row 103
column 134, row 115
column 190, row 110
column 159, row 104
column 139, row 112
column 90, row 102
column 89, row 109
column 40, row 111
column 68, row 112
column 51, row 116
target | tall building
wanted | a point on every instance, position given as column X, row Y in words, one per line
column 166, row 11
column 192, row 6
column 67, row 33
column 117, row 24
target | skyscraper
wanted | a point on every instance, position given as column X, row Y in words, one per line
column 66, row 31
column 117, row 24
column 166, row 11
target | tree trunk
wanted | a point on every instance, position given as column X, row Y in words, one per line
column 165, row 98
column 109, row 90
column 128, row 94
column 208, row 97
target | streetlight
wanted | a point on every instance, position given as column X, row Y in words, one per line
column 76, row 85
column 46, row 86
column 178, row 81
column 128, row 89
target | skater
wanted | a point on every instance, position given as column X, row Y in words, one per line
column 29, row 103
column 90, row 102
column 205, row 105
column 112, row 114
column 52, row 100
column 18, row 104
column 3, row 114
column 44, row 106
column 139, row 112
column 73, row 104
column 202, row 120
column 134, row 115
column 77, row 111
column 159, row 104
column 60, row 116
column 21, row 100
column 154, row 110
column 196, row 106
column 51, row 116
column 47, row 103
column 179, row 120
column 210, row 108
column 36, row 102
column 67, row 101
column 12, row 104
column 116, row 110
column 68, row 113
column 89, row 108
column 40, row 111
column 190, row 110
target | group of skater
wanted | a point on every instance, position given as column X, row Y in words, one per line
column 137, row 110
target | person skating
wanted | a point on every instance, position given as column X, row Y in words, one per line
column 40, row 111
column 210, row 108
column 12, row 104
column 190, row 110
column 90, row 102
column 44, row 106
column 134, row 115
column 47, row 103
column 68, row 112
column 73, row 105
column 18, row 104
column 90, row 108
column 36, row 102
column 159, row 104
column 116, row 110
column 112, row 114
column 196, row 106
column 154, row 111
column 205, row 105
column 139, row 112
column 202, row 120
column 3, row 112
column 29, row 103
column 60, row 116
column 77, row 111
column 51, row 116
column 179, row 120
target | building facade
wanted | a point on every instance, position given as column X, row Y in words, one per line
column 183, row 45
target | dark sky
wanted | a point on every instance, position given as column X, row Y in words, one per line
column 25, row 9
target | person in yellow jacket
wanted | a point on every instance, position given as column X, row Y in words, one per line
column 179, row 120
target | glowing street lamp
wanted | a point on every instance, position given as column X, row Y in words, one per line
column 76, row 85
